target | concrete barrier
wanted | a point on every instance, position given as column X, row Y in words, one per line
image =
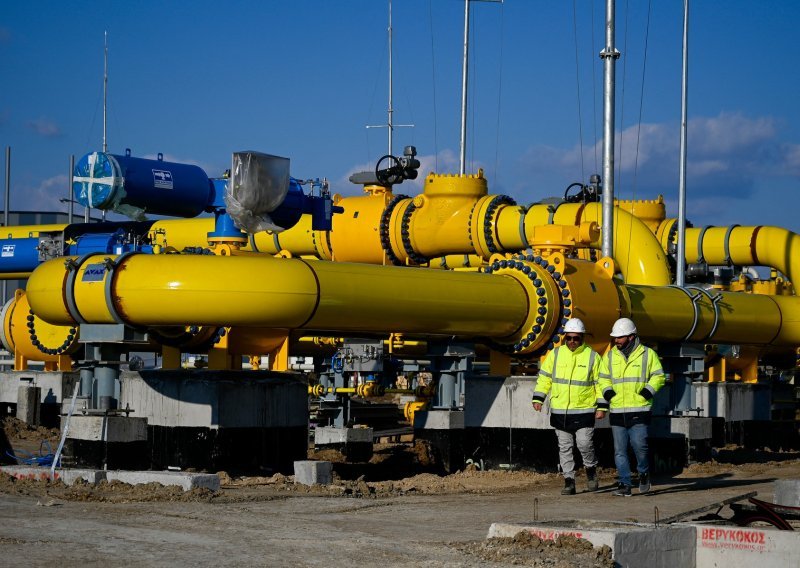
column 186, row 481
column 787, row 492
column 731, row 546
column 68, row 476
column 309, row 472
column 632, row 544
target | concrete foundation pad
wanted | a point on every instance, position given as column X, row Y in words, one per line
column 787, row 492
column 106, row 428
column 186, row 481
column 439, row 420
column 693, row 427
column 68, row 476
column 328, row 435
column 631, row 544
column 308, row 472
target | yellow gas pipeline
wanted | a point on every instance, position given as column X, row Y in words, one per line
column 518, row 308
column 742, row 246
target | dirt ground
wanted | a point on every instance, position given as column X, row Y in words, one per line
column 421, row 519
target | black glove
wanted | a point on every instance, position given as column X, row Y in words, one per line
column 609, row 394
column 646, row 394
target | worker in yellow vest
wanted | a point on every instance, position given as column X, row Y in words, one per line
column 569, row 373
column 630, row 376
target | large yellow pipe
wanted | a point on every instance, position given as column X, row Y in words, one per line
column 742, row 246
column 164, row 290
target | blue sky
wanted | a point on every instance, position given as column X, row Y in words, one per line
column 302, row 79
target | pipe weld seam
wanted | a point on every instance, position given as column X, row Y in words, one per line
column 111, row 269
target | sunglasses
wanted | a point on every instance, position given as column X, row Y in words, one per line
column 573, row 338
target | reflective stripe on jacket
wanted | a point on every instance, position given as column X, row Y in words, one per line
column 571, row 379
column 627, row 377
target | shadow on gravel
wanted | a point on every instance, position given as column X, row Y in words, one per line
column 684, row 484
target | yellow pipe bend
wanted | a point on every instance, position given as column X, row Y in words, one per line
column 638, row 254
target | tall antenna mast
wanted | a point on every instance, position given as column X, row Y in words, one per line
column 105, row 88
column 389, row 124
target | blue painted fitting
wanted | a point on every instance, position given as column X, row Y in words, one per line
column 495, row 265
column 544, row 263
column 567, row 302
column 224, row 227
column 537, row 282
column 529, row 258
column 526, row 269
column 556, row 275
column 542, row 311
column 539, row 320
column 503, row 263
column 537, row 259
column 525, row 342
column 541, row 291
column 562, row 283
column 567, row 312
column 556, row 339
column 551, row 268
column 531, row 336
column 550, row 345
column 565, row 293
column 537, row 329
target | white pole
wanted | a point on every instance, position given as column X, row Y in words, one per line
column 680, row 273
column 609, row 56
column 464, row 75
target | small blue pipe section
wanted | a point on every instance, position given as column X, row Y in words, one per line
column 19, row 255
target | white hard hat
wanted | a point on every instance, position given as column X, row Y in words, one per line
column 574, row 326
column 623, row 327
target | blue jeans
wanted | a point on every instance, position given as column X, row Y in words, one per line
column 637, row 436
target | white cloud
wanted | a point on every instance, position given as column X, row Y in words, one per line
column 44, row 127
column 726, row 154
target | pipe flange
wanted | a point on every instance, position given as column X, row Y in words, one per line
column 488, row 223
column 405, row 235
column 383, row 228
column 543, row 321
column 63, row 348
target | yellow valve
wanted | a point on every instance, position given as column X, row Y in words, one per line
column 411, row 408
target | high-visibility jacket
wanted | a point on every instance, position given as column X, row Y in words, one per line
column 627, row 377
column 571, row 378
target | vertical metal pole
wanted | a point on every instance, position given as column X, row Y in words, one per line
column 680, row 273
column 609, row 56
column 105, row 87
column 464, row 75
column 391, row 130
column 86, row 211
column 70, row 200
column 6, row 204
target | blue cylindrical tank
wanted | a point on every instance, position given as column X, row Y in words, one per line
column 134, row 186
column 19, row 255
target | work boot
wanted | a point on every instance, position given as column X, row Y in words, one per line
column 569, row 486
column 644, row 482
column 592, row 483
column 622, row 490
